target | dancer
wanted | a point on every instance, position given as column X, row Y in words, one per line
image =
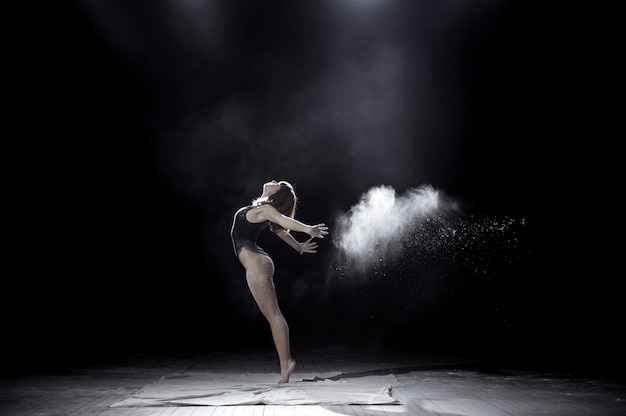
column 274, row 209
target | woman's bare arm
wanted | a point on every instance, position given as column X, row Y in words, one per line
column 269, row 213
column 307, row 246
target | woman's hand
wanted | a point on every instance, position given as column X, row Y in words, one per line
column 308, row 246
column 318, row 231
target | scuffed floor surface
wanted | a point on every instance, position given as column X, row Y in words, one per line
column 474, row 393
column 425, row 386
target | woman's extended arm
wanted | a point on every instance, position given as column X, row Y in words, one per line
column 307, row 246
column 269, row 213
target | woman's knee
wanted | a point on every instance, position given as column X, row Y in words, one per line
column 262, row 289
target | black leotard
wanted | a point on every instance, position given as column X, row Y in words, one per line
column 245, row 233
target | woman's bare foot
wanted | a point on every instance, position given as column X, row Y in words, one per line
column 286, row 371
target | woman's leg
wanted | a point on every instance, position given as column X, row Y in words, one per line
column 259, row 275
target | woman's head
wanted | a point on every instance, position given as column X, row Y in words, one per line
column 281, row 196
column 284, row 199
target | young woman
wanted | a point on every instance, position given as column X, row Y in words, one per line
column 274, row 209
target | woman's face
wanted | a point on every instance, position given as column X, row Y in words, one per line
column 270, row 188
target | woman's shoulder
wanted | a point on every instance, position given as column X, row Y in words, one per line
column 262, row 210
column 252, row 213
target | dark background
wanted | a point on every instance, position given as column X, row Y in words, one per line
column 137, row 130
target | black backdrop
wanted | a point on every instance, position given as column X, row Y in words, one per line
column 137, row 131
